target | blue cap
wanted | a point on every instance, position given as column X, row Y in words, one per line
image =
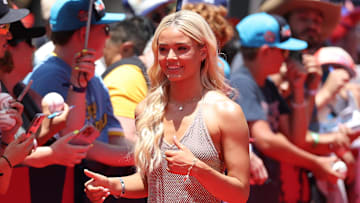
column 68, row 15
column 259, row 29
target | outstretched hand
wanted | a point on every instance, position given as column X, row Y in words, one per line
column 97, row 188
column 180, row 160
column 67, row 154
column 324, row 169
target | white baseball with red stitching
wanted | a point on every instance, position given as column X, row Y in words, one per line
column 55, row 101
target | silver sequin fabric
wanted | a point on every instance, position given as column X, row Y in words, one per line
column 168, row 187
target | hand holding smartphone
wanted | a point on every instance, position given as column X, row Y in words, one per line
column 34, row 126
column 85, row 136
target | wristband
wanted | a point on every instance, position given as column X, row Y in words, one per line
column 315, row 137
column 189, row 169
column 74, row 88
column 122, row 188
column 7, row 160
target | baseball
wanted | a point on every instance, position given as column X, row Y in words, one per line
column 5, row 98
column 340, row 167
column 54, row 100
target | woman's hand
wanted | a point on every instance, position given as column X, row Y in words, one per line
column 97, row 188
column 179, row 161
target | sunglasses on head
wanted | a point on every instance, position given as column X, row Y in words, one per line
column 4, row 28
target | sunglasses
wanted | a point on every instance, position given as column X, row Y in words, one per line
column 4, row 29
column 15, row 42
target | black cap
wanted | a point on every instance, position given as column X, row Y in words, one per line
column 9, row 15
column 19, row 31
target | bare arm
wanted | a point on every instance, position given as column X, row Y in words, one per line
column 129, row 127
column 233, row 187
column 336, row 80
column 60, row 152
column 99, row 186
column 278, row 147
column 232, row 129
column 83, row 65
column 298, row 120
column 111, row 154
column 326, row 142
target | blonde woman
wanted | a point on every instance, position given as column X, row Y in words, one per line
column 189, row 130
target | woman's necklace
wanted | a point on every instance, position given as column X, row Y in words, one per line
column 181, row 106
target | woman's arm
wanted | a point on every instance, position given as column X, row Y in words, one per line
column 233, row 187
column 99, row 186
column 231, row 128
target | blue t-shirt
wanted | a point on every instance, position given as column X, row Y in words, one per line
column 50, row 76
column 286, row 183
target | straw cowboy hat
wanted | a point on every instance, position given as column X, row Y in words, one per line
column 330, row 11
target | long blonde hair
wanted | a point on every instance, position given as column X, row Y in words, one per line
column 149, row 122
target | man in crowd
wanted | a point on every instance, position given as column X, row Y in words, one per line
column 266, row 41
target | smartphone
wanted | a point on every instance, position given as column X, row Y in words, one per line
column 85, row 136
column 35, row 124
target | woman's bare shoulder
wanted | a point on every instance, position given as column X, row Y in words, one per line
column 221, row 104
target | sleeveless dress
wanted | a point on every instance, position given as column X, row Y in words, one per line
column 168, row 187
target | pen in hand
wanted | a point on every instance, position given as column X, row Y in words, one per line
column 53, row 115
